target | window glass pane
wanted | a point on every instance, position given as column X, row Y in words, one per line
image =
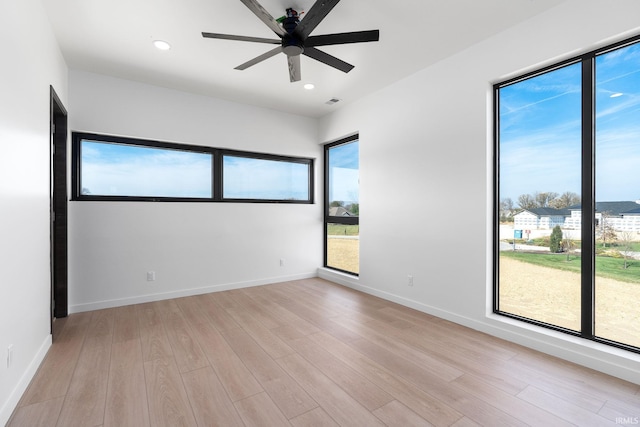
column 617, row 153
column 263, row 179
column 343, row 247
column 110, row 169
column 539, row 187
column 344, row 180
column 343, row 206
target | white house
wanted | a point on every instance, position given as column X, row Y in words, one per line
column 539, row 218
column 621, row 216
column 631, row 220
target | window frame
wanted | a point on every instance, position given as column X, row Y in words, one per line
column 588, row 201
column 328, row 219
column 217, row 170
column 269, row 157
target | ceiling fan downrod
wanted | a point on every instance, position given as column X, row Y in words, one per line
column 291, row 44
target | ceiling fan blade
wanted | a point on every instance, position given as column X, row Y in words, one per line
column 325, row 58
column 314, row 16
column 294, row 68
column 260, row 58
column 240, row 38
column 343, row 38
column 264, row 16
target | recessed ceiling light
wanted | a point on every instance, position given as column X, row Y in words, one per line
column 615, row 95
column 161, row 44
column 309, row 86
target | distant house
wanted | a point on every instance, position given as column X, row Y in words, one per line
column 338, row 211
column 631, row 220
column 621, row 216
column 540, row 218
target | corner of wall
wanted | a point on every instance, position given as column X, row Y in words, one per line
column 14, row 397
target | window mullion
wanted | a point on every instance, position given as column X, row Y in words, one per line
column 588, row 199
column 217, row 175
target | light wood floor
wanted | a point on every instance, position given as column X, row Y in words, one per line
column 304, row 353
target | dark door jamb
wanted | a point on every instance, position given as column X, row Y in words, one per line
column 58, row 188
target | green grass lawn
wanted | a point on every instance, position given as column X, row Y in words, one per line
column 544, row 241
column 609, row 267
column 343, row 230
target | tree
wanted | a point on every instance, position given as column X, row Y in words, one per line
column 336, row 204
column 526, row 201
column 555, row 241
column 544, row 199
column 568, row 243
column 506, row 209
column 565, row 200
column 605, row 231
column 550, row 199
column 626, row 239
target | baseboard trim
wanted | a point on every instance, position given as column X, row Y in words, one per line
column 119, row 302
column 600, row 357
column 14, row 398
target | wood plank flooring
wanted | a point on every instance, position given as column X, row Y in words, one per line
column 304, row 353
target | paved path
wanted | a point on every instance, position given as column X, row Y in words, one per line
column 504, row 246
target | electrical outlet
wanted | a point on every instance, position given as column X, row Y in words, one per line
column 9, row 355
column 410, row 280
column 151, row 276
column 281, row 262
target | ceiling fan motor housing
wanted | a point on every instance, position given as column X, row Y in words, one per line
column 292, row 46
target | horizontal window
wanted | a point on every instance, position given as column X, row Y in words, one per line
column 126, row 169
column 109, row 169
column 253, row 178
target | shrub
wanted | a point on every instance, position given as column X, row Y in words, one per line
column 555, row 241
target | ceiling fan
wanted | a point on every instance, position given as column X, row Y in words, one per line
column 295, row 40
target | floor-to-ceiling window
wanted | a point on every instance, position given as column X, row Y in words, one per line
column 540, row 131
column 342, row 205
column 617, row 179
column 567, row 173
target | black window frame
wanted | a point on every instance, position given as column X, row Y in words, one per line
column 328, row 219
column 270, row 157
column 217, row 171
column 588, row 220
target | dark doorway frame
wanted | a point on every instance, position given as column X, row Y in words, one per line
column 58, row 206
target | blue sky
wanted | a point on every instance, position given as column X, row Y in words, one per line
column 125, row 170
column 540, row 130
column 264, row 179
column 344, row 173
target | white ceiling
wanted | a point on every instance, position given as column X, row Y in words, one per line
column 114, row 37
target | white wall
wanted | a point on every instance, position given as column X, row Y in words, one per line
column 192, row 247
column 426, row 156
column 31, row 61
